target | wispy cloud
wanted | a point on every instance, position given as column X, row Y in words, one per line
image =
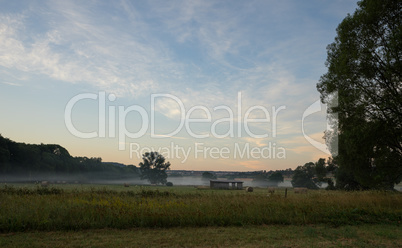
column 202, row 52
column 124, row 53
column 11, row 84
column 74, row 49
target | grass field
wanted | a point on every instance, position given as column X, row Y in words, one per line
column 144, row 215
column 364, row 236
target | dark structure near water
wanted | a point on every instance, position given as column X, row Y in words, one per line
column 225, row 184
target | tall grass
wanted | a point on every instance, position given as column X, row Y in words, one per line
column 58, row 209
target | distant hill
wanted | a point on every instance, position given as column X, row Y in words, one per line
column 30, row 162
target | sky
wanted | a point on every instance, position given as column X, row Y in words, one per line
column 211, row 85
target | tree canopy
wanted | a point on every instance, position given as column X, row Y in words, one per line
column 303, row 176
column 276, row 177
column 153, row 168
column 363, row 89
column 312, row 175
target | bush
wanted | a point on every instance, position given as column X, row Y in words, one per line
column 170, row 184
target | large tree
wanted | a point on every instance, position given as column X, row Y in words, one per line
column 304, row 176
column 363, row 86
column 153, row 168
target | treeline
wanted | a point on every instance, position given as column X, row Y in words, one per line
column 263, row 174
column 48, row 162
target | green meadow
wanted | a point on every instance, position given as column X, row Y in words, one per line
column 72, row 209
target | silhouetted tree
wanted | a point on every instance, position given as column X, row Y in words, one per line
column 303, row 176
column 153, row 168
column 276, row 176
column 320, row 169
column 312, row 175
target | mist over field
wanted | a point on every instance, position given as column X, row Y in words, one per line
column 70, row 179
column 83, row 179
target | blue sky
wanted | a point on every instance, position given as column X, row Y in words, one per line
column 205, row 53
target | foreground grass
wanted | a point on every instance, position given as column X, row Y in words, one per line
column 251, row 236
column 69, row 208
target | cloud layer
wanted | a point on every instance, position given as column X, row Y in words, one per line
column 202, row 52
